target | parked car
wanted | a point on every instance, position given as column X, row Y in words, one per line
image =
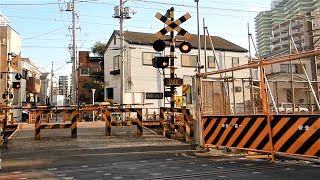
column 287, row 108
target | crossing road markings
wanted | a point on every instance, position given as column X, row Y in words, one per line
column 173, row 25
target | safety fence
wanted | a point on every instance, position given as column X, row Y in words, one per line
column 137, row 122
column 185, row 122
column 39, row 125
column 297, row 135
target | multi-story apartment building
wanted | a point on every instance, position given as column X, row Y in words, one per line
column 65, row 85
column 282, row 11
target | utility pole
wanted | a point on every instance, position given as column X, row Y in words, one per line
column 74, row 59
column 121, row 54
column 51, row 89
column 309, row 30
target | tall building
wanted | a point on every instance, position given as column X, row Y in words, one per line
column 281, row 11
column 65, row 85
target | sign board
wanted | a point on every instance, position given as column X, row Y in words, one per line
column 151, row 95
column 186, row 89
column 179, row 101
column 168, row 94
column 173, row 81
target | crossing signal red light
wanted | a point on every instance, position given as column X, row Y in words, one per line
column 159, row 45
column 160, row 62
column 185, row 47
column 16, row 85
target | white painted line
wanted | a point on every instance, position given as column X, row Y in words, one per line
column 163, row 165
column 60, row 175
column 118, row 177
column 144, row 161
column 248, row 164
column 219, row 167
column 84, row 166
column 174, row 167
column 169, row 159
column 17, row 172
column 232, row 162
column 107, row 174
column 132, row 168
column 188, row 170
column 205, row 165
column 155, row 174
column 99, row 171
column 256, row 172
column 67, row 178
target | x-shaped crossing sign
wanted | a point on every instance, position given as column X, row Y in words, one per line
column 173, row 25
column 14, row 64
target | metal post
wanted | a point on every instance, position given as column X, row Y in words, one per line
column 172, row 75
column 206, row 64
column 314, row 76
column 93, row 91
column 199, row 40
column 251, row 79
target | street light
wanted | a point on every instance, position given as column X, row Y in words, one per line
column 93, row 91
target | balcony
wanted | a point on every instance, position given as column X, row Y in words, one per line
column 33, row 85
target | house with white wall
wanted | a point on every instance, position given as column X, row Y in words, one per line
column 140, row 77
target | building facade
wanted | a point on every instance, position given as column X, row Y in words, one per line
column 88, row 65
column 281, row 12
column 141, row 79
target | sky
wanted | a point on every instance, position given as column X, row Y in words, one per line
column 44, row 25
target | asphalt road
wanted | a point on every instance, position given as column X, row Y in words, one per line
column 125, row 155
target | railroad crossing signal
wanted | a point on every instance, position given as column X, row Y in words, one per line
column 173, row 81
column 173, row 25
column 160, row 62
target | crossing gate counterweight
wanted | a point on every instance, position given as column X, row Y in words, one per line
column 291, row 134
column 107, row 115
column 186, row 121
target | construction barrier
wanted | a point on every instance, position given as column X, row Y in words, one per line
column 72, row 125
column 138, row 122
column 291, row 134
column 186, row 121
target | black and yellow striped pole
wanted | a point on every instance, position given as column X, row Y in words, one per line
column 139, row 122
column 38, row 124
column 172, row 52
column 108, row 122
column 162, row 123
column 75, row 115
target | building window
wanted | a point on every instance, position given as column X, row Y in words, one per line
column 299, row 68
column 211, row 62
column 296, row 68
column 24, row 74
column 84, row 72
column 189, row 60
column 235, row 61
column 285, row 68
column 148, row 56
column 116, row 62
column 109, row 93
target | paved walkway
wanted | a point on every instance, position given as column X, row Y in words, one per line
column 91, row 135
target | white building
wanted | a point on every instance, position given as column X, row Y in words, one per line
column 140, row 77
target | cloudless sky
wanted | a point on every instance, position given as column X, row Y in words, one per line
column 46, row 37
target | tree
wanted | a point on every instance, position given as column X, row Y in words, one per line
column 99, row 48
column 96, row 82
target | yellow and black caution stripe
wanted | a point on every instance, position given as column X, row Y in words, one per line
column 186, row 121
column 73, row 124
column 296, row 134
column 173, row 25
column 127, row 110
column 291, row 134
column 249, row 132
